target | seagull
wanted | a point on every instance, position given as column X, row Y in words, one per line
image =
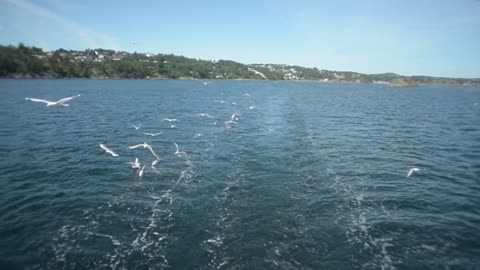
column 206, row 83
column 140, row 173
column 235, row 117
column 137, row 127
column 205, row 115
column 230, row 123
column 152, row 134
column 144, row 145
column 60, row 102
column 154, row 163
column 234, row 103
column 247, row 95
column 169, row 120
column 135, row 164
column 251, row 107
column 178, row 153
column 172, row 125
column 220, row 101
column 412, row 170
column 108, row 150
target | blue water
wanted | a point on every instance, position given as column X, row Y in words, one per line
column 312, row 176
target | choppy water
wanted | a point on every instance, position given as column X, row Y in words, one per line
column 312, row 176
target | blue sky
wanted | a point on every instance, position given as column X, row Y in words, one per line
column 422, row 37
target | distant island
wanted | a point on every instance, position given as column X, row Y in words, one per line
column 30, row 62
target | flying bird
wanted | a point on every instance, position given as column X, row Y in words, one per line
column 140, row 173
column 60, row 102
column 169, row 120
column 205, row 115
column 179, row 153
column 107, row 150
column 135, row 164
column 153, row 134
column 235, row 117
column 412, row 170
column 146, row 146
column 137, row 126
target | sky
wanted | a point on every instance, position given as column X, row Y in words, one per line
column 421, row 37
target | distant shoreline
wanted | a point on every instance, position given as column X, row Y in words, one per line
column 246, row 79
column 23, row 62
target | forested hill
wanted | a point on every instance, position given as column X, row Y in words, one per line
column 30, row 62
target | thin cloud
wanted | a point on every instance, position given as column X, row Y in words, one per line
column 89, row 37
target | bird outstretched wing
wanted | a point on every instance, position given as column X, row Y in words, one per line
column 39, row 100
column 63, row 100
column 136, row 146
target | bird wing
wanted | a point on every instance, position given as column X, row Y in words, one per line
column 104, row 147
column 176, row 145
column 63, row 100
column 108, row 150
column 39, row 100
column 135, row 146
column 152, row 134
column 151, row 150
column 113, row 153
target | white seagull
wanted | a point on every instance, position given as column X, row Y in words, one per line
column 220, row 101
column 60, row 102
column 140, row 173
column 205, row 115
column 412, row 170
column 247, row 95
column 230, row 123
column 235, row 117
column 137, row 127
column 169, row 120
column 153, row 134
column 108, row 150
column 135, row 164
column 179, row 153
column 145, row 145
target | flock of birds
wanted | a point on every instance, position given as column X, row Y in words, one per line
column 136, row 164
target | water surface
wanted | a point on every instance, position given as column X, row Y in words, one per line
column 312, row 176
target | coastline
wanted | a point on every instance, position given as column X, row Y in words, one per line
column 28, row 77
